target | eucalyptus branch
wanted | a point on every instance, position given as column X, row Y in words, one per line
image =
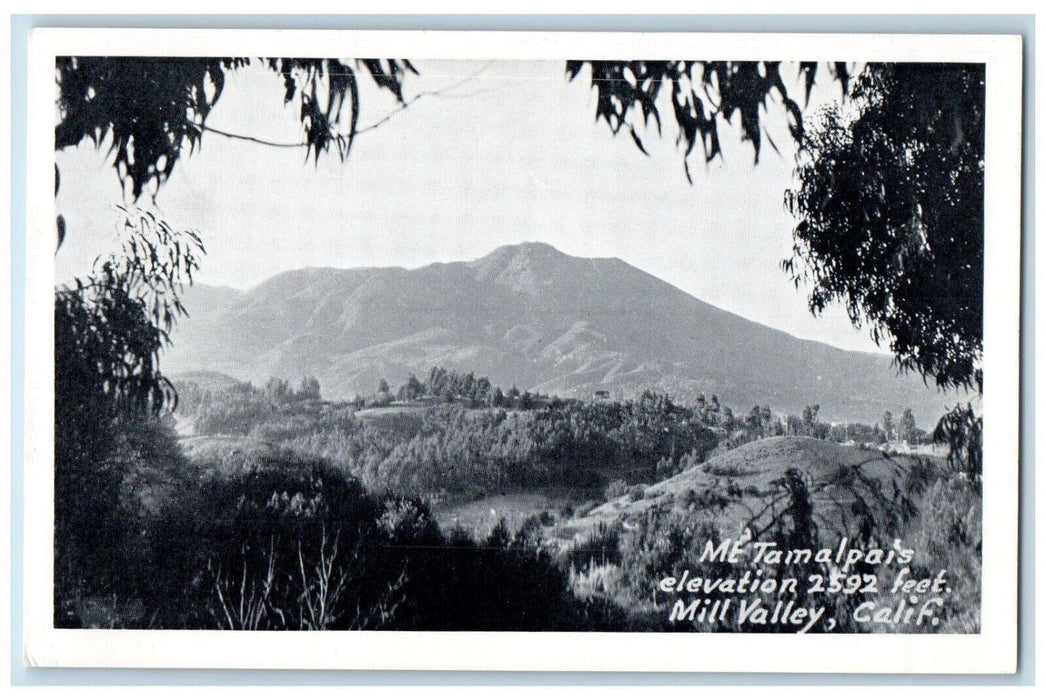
column 442, row 92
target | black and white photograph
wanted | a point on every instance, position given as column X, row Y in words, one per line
column 478, row 342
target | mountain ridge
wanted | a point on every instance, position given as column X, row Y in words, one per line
column 528, row 315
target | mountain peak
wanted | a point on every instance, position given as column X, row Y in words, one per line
column 522, row 265
column 531, row 315
column 529, row 249
column 533, row 246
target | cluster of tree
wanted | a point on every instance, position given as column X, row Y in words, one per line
column 712, row 413
column 885, row 431
column 464, row 450
column 762, row 422
column 451, row 386
column 903, row 430
column 235, row 409
column 453, row 447
column 862, row 433
column 271, row 542
column 463, row 447
column 281, row 391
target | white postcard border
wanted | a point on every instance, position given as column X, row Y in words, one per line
column 991, row 651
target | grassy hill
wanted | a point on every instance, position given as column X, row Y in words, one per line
column 618, row 550
column 742, row 486
column 206, row 379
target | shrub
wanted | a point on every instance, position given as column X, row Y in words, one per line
column 685, row 498
column 407, row 522
column 616, row 489
column 101, row 503
column 949, row 536
column 270, row 542
column 599, row 548
column 637, row 491
column 278, row 544
column 585, row 508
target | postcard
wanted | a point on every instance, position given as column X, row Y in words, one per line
column 522, row 351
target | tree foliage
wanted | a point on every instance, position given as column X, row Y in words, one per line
column 704, row 96
column 111, row 325
column 890, row 209
column 109, row 330
column 461, row 448
column 272, row 541
column 906, row 431
column 961, row 429
column 152, row 110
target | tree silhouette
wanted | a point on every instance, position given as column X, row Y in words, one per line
column 888, row 424
column 890, row 209
column 109, row 330
column 906, row 429
column 704, row 96
column 152, row 110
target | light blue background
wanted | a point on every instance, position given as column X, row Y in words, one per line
column 928, row 24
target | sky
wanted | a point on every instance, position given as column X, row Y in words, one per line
column 506, row 152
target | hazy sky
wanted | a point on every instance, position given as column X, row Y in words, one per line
column 511, row 154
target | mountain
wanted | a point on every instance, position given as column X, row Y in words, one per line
column 532, row 316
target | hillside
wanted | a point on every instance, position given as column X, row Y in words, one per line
column 845, row 484
column 532, row 316
column 206, row 380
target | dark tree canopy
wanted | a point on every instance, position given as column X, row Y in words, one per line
column 111, row 326
column 109, row 329
column 890, row 209
column 704, row 95
column 155, row 108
